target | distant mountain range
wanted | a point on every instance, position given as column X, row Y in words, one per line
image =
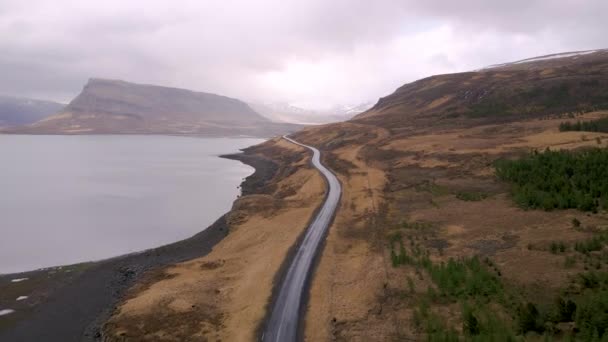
column 284, row 112
column 118, row 107
column 16, row 111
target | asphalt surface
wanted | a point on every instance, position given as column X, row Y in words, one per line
column 284, row 319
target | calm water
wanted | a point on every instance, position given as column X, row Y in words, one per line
column 67, row 199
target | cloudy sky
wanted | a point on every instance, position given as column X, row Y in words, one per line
column 313, row 53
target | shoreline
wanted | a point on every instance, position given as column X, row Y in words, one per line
column 71, row 303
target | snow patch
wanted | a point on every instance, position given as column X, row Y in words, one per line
column 543, row 58
column 6, row 312
column 21, row 298
column 18, row 280
column 559, row 55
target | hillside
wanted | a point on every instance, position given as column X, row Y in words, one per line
column 455, row 225
column 532, row 88
column 16, row 111
column 112, row 106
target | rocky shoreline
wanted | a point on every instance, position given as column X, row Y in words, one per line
column 72, row 303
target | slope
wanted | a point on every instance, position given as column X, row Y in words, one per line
column 113, row 106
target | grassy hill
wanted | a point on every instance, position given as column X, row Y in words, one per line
column 506, row 93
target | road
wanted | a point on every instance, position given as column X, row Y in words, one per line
column 282, row 326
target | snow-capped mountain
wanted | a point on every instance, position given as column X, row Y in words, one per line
column 285, row 112
column 352, row 110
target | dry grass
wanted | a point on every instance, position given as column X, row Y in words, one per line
column 358, row 296
column 350, row 266
column 223, row 296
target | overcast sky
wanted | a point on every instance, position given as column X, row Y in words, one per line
column 313, row 53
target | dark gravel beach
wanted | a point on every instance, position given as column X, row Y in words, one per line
column 72, row 303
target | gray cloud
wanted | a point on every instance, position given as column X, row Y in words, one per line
column 313, row 52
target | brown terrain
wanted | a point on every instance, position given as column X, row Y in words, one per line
column 416, row 169
column 357, row 295
column 223, row 295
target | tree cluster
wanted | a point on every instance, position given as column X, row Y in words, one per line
column 558, row 179
column 599, row 125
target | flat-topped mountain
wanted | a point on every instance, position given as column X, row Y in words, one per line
column 16, row 111
column 113, row 106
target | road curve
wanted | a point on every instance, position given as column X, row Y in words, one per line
column 282, row 326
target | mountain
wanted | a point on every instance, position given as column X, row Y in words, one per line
column 15, row 111
column 351, row 110
column 552, row 60
column 532, row 88
column 285, row 112
column 114, row 106
column 449, row 173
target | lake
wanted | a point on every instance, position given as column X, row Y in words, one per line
column 68, row 199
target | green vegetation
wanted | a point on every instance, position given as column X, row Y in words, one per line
column 593, row 244
column 462, row 278
column 495, row 310
column 471, row 196
column 472, row 283
column 559, row 179
column 599, row 125
column 416, row 225
column 402, row 257
column 557, row 247
column 589, row 308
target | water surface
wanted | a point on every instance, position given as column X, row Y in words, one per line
column 67, row 199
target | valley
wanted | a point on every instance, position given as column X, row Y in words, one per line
column 303, row 171
column 430, row 241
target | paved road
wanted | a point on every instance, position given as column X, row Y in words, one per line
column 282, row 325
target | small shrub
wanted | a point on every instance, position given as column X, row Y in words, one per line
column 593, row 244
column 470, row 324
column 569, row 262
column 410, row 285
column 471, row 196
column 566, row 309
column 528, row 319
